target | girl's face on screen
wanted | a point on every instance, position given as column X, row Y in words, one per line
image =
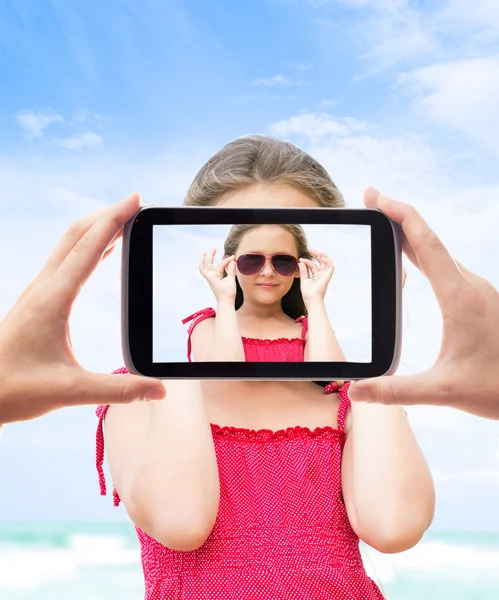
column 267, row 285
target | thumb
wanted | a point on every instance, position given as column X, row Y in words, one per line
column 99, row 388
column 231, row 270
column 404, row 390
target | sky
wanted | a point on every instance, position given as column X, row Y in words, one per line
column 101, row 99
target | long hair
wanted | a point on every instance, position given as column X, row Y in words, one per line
column 292, row 302
column 262, row 159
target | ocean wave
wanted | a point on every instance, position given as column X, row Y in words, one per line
column 31, row 567
column 28, row 568
column 434, row 559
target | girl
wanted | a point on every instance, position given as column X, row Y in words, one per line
column 276, row 289
column 257, row 490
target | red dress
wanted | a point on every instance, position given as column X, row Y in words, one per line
column 282, row 530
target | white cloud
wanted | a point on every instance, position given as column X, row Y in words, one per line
column 480, row 17
column 327, row 103
column 302, row 66
column 463, row 95
column 315, row 126
column 390, row 6
column 240, row 100
column 467, row 476
column 278, row 80
column 393, row 34
column 33, row 124
column 82, row 140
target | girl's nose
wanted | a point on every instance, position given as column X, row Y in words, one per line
column 268, row 269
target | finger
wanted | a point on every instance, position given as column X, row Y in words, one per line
column 404, row 276
column 108, row 252
column 371, row 195
column 211, row 259
column 88, row 251
column 99, row 388
column 311, row 265
column 202, row 263
column 226, row 262
column 231, row 269
column 326, row 262
column 396, row 390
column 124, row 210
column 432, row 256
column 303, row 270
column 112, row 245
column 320, row 257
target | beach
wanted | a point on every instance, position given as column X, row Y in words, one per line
column 101, row 561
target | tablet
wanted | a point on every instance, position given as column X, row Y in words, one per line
column 162, row 286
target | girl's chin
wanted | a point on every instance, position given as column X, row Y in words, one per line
column 267, row 295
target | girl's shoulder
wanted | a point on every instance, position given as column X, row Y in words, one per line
column 199, row 316
column 201, row 324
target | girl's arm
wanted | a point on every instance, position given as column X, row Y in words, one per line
column 163, row 465
column 219, row 339
column 322, row 344
column 387, row 485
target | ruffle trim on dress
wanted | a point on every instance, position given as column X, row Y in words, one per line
column 297, row 432
column 268, row 341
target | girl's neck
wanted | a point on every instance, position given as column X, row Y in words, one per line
column 260, row 311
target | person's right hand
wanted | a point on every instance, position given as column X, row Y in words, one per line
column 466, row 372
column 224, row 288
column 315, row 277
column 38, row 370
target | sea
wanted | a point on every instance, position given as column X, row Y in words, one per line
column 101, row 561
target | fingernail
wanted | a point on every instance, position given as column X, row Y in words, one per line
column 375, row 189
column 156, row 393
column 359, row 394
column 130, row 196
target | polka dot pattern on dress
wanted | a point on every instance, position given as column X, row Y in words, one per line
column 282, row 531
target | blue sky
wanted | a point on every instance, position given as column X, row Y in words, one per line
column 101, row 99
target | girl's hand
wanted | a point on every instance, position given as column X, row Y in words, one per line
column 314, row 288
column 224, row 288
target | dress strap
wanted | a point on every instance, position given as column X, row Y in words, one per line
column 303, row 319
column 99, row 446
column 344, row 405
column 197, row 317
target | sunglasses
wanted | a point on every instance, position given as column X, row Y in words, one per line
column 251, row 264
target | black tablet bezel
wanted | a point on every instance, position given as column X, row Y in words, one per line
column 137, row 294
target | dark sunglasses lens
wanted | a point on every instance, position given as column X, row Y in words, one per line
column 249, row 264
column 284, row 264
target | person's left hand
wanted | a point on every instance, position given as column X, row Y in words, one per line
column 38, row 370
column 314, row 285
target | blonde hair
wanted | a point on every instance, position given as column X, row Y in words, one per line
column 259, row 159
column 237, row 232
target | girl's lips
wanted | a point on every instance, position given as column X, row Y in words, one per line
column 267, row 285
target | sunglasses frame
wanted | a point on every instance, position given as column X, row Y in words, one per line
column 266, row 258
